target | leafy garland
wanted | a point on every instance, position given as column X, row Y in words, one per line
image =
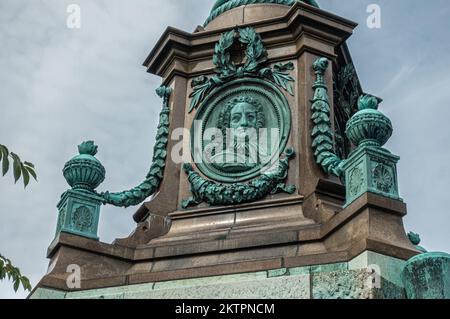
column 256, row 54
column 231, row 4
column 322, row 133
column 155, row 175
column 216, row 194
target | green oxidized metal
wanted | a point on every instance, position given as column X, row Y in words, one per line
column 427, row 276
column 84, row 171
column 222, row 6
column 369, row 127
column 414, row 238
column 79, row 214
column 370, row 168
column 155, row 175
column 322, row 133
column 216, row 194
column 272, row 114
column 250, row 87
column 346, row 91
column 79, row 207
column 256, row 55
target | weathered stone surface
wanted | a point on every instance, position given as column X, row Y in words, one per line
column 390, row 268
column 353, row 284
column 342, row 285
column 329, row 281
column 274, row 288
column 329, row 268
column 43, row 293
column 245, row 286
column 368, row 276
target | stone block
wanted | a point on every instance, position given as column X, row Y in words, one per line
column 390, row 268
column 286, row 287
column 43, row 293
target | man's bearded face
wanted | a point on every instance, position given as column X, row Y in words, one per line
column 243, row 119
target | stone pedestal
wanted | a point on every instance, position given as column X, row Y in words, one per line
column 368, row 276
column 79, row 213
column 371, row 169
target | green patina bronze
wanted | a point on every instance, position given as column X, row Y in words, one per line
column 84, row 171
column 322, row 133
column 79, row 214
column 346, row 92
column 414, row 238
column 247, row 91
column 155, row 175
column 227, row 70
column 427, row 276
column 222, row 6
column 215, row 194
column 369, row 127
column 370, row 168
column 270, row 111
column 79, row 207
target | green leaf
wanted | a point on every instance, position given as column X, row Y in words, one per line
column 17, row 169
column 5, row 163
column 26, row 175
column 290, row 89
column 154, row 182
column 29, row 164
column 16, row 284
column 15, row 157
column 4, row 150
column 25, row 283
column 32, row 172
column 199, row 94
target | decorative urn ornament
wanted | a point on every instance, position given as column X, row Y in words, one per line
column 84, row 171
column 370, row 168
column 79, row 207
column 369, row 127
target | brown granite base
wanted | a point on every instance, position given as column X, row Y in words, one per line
column 371, row 223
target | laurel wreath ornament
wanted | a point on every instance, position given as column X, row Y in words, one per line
column 256, row 55
column 270, row 182
column 218, row 194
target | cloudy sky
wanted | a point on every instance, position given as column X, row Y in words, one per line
column 60, row 86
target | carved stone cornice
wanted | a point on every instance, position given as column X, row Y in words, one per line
column 302, row 28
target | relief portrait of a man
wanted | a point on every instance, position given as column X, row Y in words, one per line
column 240, row 122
